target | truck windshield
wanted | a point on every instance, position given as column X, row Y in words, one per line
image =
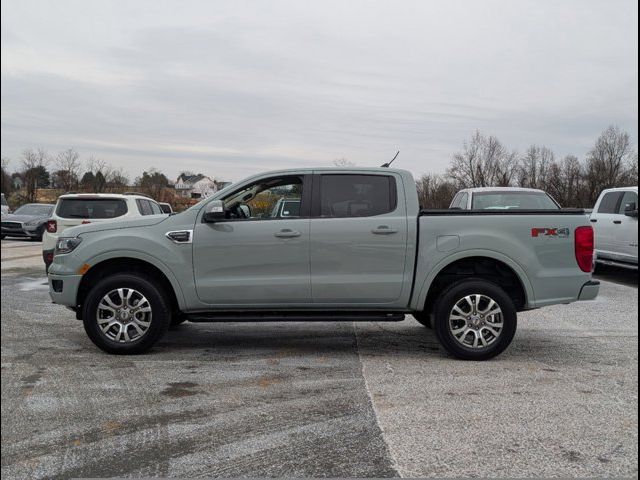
column 91, row 207
column 513, row 201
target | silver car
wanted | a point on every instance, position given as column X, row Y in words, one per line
column 29, row 221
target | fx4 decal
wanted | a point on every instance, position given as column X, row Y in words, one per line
column 561, row 232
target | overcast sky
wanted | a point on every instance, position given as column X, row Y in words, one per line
column 232, row 88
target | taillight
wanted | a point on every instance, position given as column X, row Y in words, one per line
column 84, row 222
column 52, row 226
column 584, row 248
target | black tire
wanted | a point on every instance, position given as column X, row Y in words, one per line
column 424, row 318
column 160, row 317
column 456, row 292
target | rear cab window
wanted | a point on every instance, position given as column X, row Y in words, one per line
column 91, row 208
column 354, row 195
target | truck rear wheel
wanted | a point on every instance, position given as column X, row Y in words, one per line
column 475, row 319
column 126, row 314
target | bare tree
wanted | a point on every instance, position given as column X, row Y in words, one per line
column 34, row 163
column 609, row 162
column 116, row 179
column 96, row 165
column 534, row 167
column 435, row 191
column 483, row 162
column 6, row 178
column 68, row 168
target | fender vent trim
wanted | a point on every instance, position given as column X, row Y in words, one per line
column 180, row 236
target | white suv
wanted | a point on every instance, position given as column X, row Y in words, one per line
column 75, row 209
column 615, row 221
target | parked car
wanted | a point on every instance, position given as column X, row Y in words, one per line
column 27, row 221
column 615, row 220
column 286, row 207
column 5, row 206
column 503, row 198
column 166, row 207
column 75, row 209
column 360, row 249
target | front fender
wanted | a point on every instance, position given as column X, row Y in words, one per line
column 138, row 255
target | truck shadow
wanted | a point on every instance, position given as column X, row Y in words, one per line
column 339, row 340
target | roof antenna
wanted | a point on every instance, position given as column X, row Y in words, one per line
column 386, row 165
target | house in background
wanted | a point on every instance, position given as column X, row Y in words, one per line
column 194, row 186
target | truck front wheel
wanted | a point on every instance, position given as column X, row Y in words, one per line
column 126, row 314
column 475, row 319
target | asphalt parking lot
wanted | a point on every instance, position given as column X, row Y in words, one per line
column 303, row 399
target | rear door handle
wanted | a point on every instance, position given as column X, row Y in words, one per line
column 594, row 220
column 384, row 230
column 617, row 222
column 286, row 233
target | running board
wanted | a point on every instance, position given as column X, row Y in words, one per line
column 613, row 263
column 295, row 316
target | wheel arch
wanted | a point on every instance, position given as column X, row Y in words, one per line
column 489, row 265
column 132, row 264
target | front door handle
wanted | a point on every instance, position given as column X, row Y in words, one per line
column 287, row 233
column 617, row 222
column 384, row 230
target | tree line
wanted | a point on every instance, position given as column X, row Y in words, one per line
column 65, row 171
column 484, row 161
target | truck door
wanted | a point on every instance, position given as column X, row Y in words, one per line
column 602, row 218
column 626, row 230
column 257, row 257
column 358, row 239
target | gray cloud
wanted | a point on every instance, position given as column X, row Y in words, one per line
column 230, row 88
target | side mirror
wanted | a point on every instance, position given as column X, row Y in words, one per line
column 214, row 212
column 631, row 210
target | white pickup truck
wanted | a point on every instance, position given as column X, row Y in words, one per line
column 615, row 221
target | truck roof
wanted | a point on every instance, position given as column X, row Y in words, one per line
column 103, row 195
column 621, row 189
column 335, row 169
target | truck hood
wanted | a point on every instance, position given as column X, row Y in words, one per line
column 114, row 225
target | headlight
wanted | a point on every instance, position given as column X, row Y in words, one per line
column 66, row 245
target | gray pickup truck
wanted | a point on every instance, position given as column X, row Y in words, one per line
column 359, row 248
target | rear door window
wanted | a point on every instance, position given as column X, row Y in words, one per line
column 155, row 208
column 609, row 203
column 144, row 207
column 357, row 195
column 91, row 208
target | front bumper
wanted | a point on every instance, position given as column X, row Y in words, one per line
column 589, row 290
column 24, row 231
column 63, row 289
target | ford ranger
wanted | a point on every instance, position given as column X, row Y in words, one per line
column 357, row 248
